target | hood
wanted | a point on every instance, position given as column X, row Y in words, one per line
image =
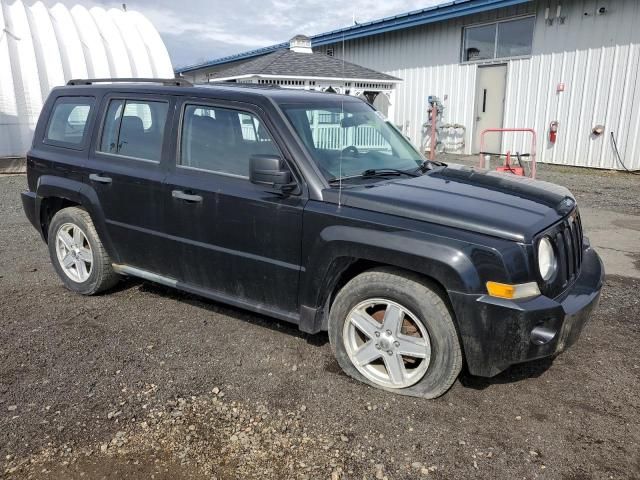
column 497, row 204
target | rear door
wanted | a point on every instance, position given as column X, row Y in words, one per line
column 232, row 237
column 126, row 170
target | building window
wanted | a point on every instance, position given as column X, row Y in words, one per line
column 479, row 42
column 508, row 38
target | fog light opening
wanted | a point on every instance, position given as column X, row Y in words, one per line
column 542, row 335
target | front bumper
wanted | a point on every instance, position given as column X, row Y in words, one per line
column 497, row 333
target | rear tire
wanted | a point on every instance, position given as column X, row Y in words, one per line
column 77, row 254
column 421, row 357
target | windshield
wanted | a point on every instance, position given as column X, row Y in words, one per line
column 348, row 138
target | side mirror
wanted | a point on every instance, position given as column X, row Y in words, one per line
column 270, row 170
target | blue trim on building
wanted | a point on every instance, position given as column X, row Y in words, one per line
column 437, row 13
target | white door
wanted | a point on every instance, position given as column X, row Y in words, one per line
column 491, row 83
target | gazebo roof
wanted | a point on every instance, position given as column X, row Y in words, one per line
column 287, row 63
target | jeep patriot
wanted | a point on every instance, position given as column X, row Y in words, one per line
column 311, row 208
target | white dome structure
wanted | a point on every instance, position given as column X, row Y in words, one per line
column 41, row 48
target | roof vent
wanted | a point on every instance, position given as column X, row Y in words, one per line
column 300, row 44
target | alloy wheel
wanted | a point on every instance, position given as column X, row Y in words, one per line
column 74, row 252
column 387, row 343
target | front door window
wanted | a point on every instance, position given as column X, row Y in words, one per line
column 222, row 140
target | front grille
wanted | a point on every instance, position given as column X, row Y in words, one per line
column 567, row 240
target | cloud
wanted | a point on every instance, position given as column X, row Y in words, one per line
column 167, row 22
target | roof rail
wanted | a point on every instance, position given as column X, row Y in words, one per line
column 269, row 86
column 169, row 82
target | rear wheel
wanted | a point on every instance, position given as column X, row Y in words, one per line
column 390, row 329
column 77, row 253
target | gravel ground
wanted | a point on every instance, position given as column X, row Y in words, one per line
column 146, row 382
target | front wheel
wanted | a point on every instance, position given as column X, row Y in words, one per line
column 390, row 329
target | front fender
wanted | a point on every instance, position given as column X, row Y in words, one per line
column 336, row 248
column 50, row 186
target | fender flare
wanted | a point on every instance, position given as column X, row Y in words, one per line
column 338, row 247
column 50, row 186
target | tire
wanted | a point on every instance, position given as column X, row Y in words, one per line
column 417, row 303
column 98, row 274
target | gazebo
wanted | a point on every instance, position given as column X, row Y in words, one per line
column 299, row 67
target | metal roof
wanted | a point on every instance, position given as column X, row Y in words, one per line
column 286, row 63
column 436, row 13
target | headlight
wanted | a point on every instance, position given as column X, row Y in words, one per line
column 547, row 263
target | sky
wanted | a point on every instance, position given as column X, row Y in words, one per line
column 198, row 30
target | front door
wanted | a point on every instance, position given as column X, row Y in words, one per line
column 491, row 84
column 126, row 172
column 236, row 239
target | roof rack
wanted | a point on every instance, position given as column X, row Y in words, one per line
column 267, row 86
column 168, row 82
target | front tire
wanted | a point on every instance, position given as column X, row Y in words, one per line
column 391, row 330
column 77, row 254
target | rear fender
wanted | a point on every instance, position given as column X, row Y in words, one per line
column 50, row 186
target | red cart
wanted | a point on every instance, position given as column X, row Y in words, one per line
column 508, row 166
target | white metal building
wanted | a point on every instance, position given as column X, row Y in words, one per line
column 41, row 48
column 508, row 63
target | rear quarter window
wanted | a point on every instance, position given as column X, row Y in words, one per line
column 68, row 122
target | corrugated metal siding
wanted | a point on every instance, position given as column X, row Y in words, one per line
column 597, row 57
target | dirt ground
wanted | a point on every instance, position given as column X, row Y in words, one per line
column 146, row 382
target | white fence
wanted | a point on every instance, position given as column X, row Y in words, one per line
column 334, row 137
column 248, row 132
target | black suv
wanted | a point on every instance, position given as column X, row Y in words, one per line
column 311, row 208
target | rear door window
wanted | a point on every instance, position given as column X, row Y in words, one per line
column 134, row 128
column 68, row 121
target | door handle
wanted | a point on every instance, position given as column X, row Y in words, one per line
column 94, row 177
column 186, row 196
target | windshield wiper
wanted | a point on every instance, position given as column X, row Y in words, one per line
column 383, row 172
column 376, row 173
column 430, row 164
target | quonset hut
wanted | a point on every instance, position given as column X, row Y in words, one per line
column 41, row 48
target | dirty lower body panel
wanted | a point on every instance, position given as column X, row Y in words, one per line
column 497, row 333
